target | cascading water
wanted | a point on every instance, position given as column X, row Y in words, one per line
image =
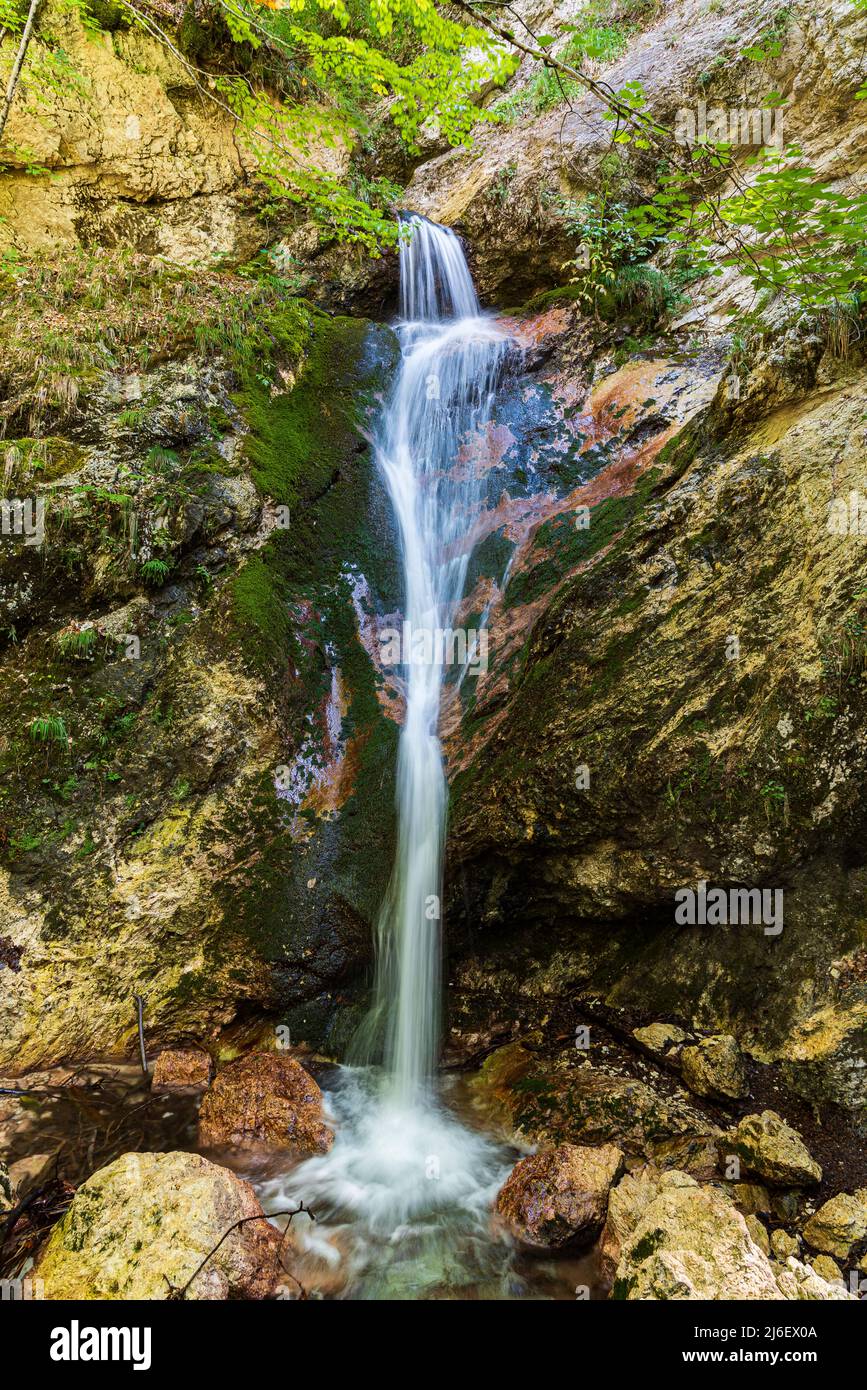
column 451, row 357
column 404, row 1196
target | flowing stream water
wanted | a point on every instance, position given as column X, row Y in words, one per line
column 403, row 1200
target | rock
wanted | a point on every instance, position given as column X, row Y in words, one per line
column 265, row 1098
column 786, row 1206
column 558, row 1198
column 715, row 1067
column 632, row 1195
column 783, row 1245
column 577, row 1103
column 687, row 1242
column 758, row 1234
column 660, row 1038
column 27, row 1173
column 827, row 1269
column 678, row 1240
column 751, row 1198
column 143, row 1225
column 770, row 1149
column 182, row 1069
column 695, row 1154
column 7, row 1191
column 799, row 1281
column 839, row 1225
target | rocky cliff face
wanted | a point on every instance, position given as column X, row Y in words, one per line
column 675, row 691
column 185, row 751
column 676, row 688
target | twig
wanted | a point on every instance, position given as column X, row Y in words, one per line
column 139, row 999
column 244, row 1220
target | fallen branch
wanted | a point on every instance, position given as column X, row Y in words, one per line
column 179, row 1293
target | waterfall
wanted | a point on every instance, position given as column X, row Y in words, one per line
column 450, row 361
column 403, row 1199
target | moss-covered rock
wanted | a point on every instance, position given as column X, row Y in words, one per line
column 197, row 762
column 142, row 1227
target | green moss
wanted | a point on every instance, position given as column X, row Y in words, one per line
column 260, row 613
column 648, row 1245
column 547, row 299
column 298, row 438
column 569, row 546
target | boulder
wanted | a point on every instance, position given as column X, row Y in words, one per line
column 799, row 1281
column 751, row 1198
column 558, row 1198
column 827, row 1269
column 141, row 1227
column 758, row 1234
column 715, row 1067
column 265, row 1099
column 839, row 1225
column 660, row 1038
column 675, row 1239
column 783, row 1246
column 695, row 1154
column 182, row 1069
column 770, row 1149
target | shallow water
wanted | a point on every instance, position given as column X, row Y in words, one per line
column 403, row 1205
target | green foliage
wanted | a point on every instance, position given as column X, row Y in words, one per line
column 592, row 38
column 608, row 273
column 48, row 728
column 409, row 53
column 155, row 572
column 76, row 643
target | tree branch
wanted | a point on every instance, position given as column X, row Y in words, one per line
column 18, row 64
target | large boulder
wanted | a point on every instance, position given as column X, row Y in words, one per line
column 675, row 1239
column 715, row 1067
column 558, row 1198
column 142, row 1227
column 771, row 1150
column 265, row 1099
column 839, row 1225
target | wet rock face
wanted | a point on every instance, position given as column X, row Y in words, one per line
column 771, row 1150
column 557, row 1198
column 630, row 740
column 216, row 806
column 141, row 1227
column 264, row 1100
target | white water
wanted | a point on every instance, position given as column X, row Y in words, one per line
column 404, row 1196
column 451, row 356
